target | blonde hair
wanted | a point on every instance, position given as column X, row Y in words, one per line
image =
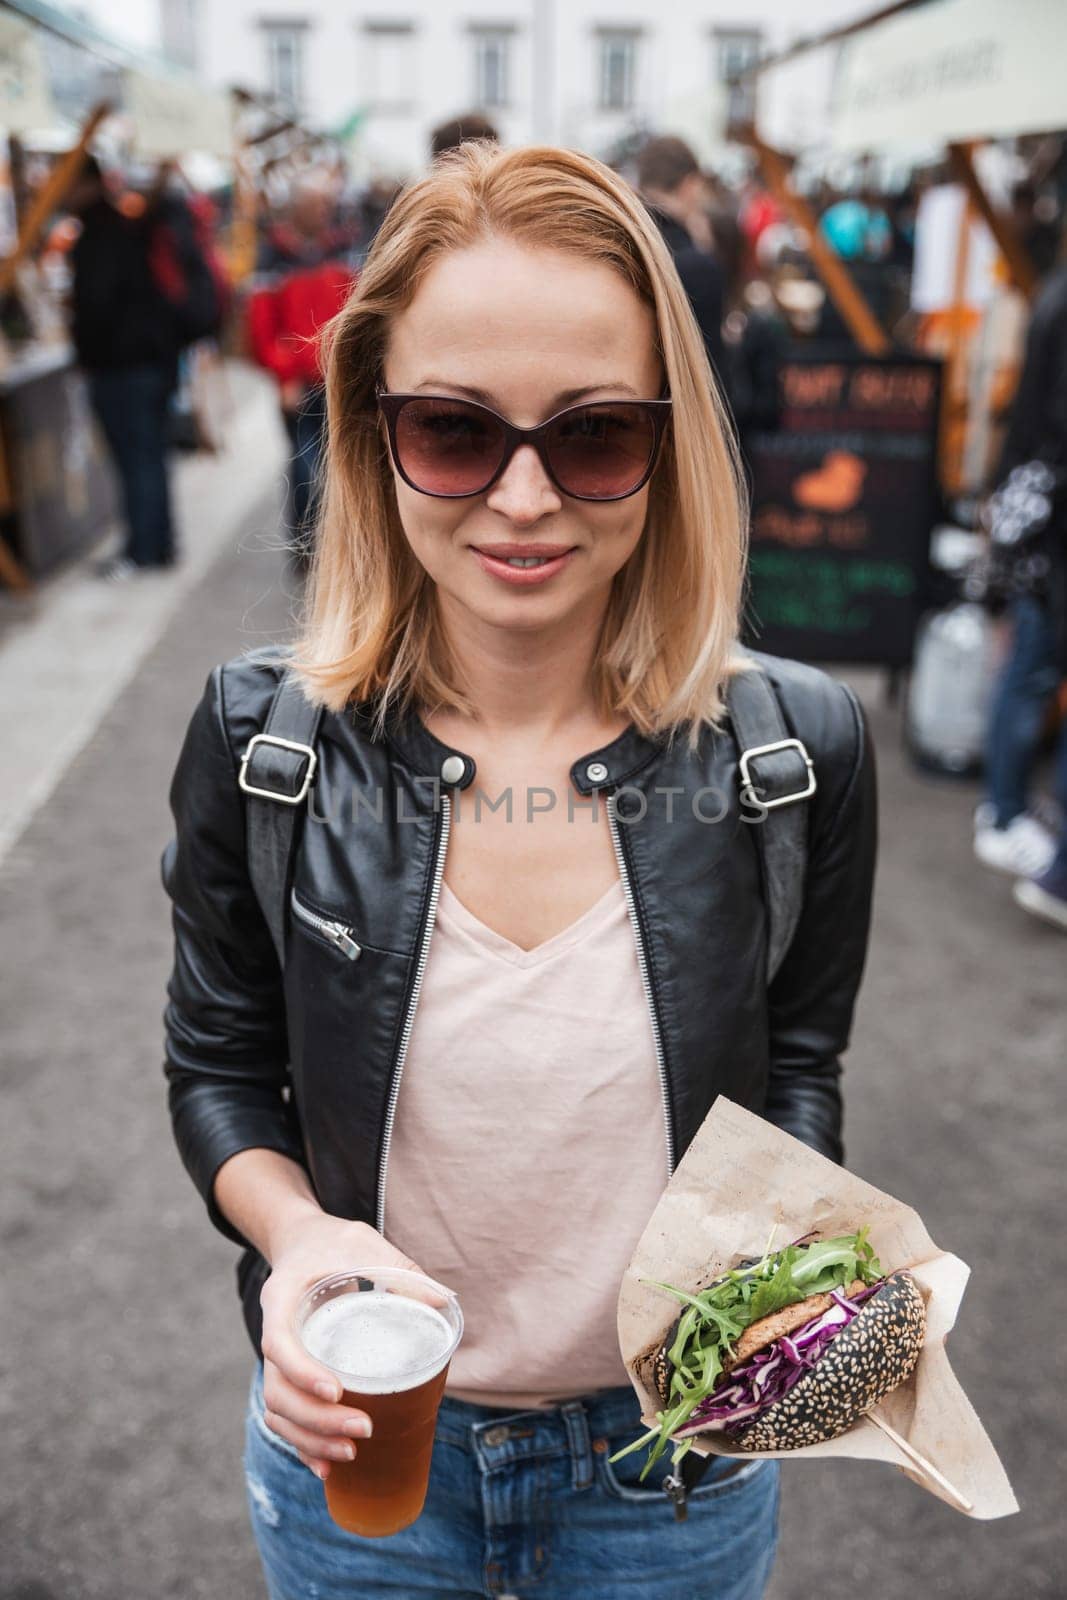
column 370, row 626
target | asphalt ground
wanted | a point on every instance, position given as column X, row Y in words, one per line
column 123, row 1361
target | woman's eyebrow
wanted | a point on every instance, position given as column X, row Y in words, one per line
column 567, row 397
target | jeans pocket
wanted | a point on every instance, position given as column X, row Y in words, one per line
column 258, row 1422
column 724, row 1475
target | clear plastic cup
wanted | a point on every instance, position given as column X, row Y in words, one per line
column 388, row 1334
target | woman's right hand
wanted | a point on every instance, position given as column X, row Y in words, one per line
column 300, row 1397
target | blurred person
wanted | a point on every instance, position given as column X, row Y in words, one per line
column 672, row 186
column 1037, row 221
column 725, row 238
column 373, row 206
column 757, row 211
column 755, row 336
column 559, row 607
column 451, row 134
column 857, row 228
column 305, row 270
column 755, row 342
column 901, row 210
column 127, row 339
column 1028, row 515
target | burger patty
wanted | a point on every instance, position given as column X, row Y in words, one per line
column 788, row 1320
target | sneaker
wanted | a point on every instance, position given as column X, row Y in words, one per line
column 1024, row 848
column 1044, row 896
column 118, row 569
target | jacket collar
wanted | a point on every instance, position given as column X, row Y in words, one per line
column 609, row 767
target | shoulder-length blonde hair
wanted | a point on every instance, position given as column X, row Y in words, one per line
column 370, row 629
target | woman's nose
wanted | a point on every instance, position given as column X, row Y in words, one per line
column 524, row 492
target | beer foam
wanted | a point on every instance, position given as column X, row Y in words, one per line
column 383, row 1342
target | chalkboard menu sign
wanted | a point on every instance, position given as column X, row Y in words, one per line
column 843, row 502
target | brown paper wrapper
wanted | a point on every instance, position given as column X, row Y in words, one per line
column 740, row 1178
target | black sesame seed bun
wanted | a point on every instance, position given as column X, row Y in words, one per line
column 866, row 1361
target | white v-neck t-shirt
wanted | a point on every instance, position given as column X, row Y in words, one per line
column 528, row 1149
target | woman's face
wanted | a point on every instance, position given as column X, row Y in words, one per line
column 526, row 331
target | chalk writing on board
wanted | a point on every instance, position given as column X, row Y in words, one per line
column 842, row 506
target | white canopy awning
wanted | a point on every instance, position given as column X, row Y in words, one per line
column 952, row 70
column 25, row 96
column 171, row 116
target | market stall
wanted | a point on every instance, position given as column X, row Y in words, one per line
column 54, row 485
column 57, row 492
column 844, row 579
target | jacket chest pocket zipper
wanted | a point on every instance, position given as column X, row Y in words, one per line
column 336, row 933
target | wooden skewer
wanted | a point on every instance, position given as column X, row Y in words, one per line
column 927, row 1468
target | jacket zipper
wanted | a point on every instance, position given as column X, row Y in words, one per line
column 409, row 1020
column 642, row 963
column 338, row 933
column 674, row 1484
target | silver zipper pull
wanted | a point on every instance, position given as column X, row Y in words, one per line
column 674, row 1489
column 339, row 935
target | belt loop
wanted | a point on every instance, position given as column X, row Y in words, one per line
column 576, row 1422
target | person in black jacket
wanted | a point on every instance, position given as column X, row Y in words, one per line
column 525, row 591
column 672, row 186
column 126, row 339
column 1029, row 517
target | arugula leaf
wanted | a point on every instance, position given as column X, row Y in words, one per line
column 776, row 1291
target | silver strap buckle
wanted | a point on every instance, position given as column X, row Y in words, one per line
column 748, row 791
column 283, row 744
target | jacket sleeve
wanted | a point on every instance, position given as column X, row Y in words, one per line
column 226, row 1051
column 813, row 995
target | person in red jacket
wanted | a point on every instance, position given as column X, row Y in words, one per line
column 304, row 275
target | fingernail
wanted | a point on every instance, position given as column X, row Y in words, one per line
column 359, row 1427
column 320, row 1472
column 327, row 1391
column 349, row 1452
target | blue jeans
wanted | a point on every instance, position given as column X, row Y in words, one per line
column 132, row 404
column 1029, row 679
column 524, row 1504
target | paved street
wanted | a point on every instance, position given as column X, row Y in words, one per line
column 123, row 1361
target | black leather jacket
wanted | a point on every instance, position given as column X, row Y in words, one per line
column 310, row 1064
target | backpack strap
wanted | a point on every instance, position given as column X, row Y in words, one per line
column 776, row 775
column 277, row 770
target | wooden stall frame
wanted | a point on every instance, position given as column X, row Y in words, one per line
column 842, row 289
column 999, row 223
column 48, row 198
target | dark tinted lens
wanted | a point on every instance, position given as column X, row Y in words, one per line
column 448, row 447
column 601, row 451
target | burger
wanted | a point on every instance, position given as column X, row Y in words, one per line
column 785, row 1351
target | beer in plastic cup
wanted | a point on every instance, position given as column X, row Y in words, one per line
column 388, row 1334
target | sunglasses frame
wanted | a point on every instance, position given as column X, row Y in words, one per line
column 659, row 411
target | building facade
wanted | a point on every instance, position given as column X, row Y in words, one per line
column 592, row 75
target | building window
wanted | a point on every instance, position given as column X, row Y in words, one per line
column 618, row 69
column 389, row 65
column 285, row 60
column 734, row 50
column 492, row 86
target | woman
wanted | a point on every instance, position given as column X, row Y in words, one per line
column 528, row 943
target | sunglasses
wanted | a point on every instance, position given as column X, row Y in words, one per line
column 451, row 448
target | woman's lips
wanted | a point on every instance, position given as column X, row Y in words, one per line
column 493, row 559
